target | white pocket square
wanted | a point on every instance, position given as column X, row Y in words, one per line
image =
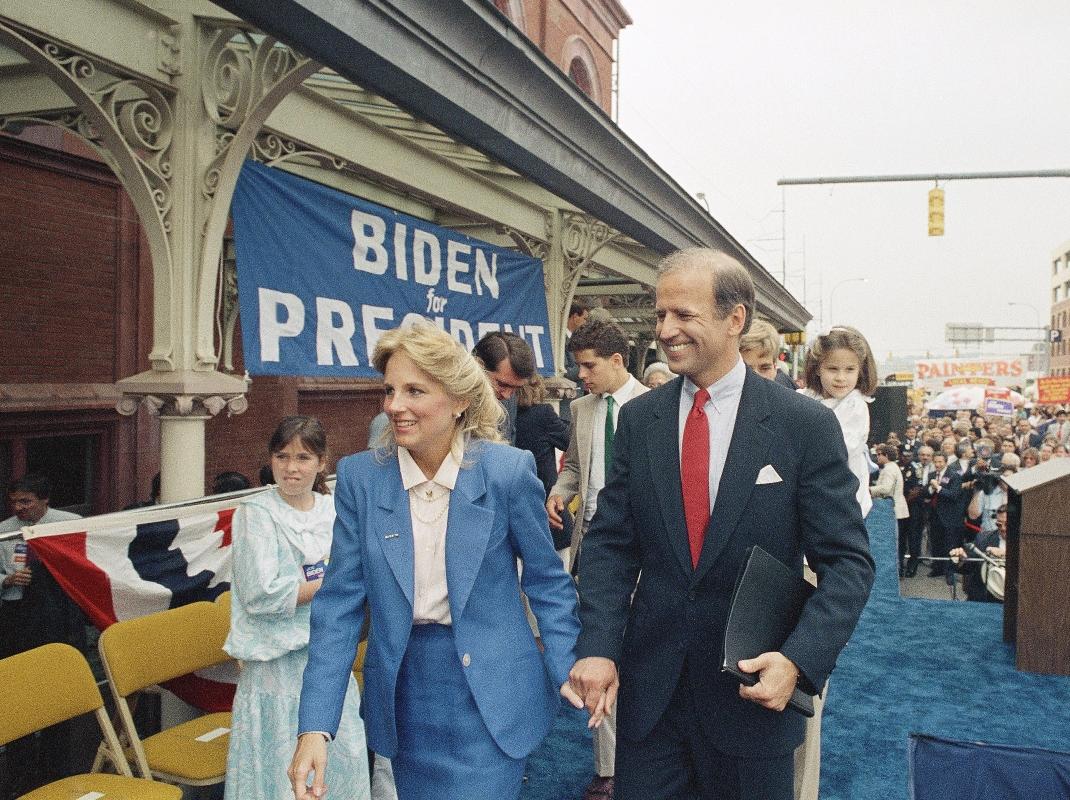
column 768, row 475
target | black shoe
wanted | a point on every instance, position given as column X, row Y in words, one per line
column 912, row 568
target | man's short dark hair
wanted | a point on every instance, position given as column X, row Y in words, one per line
column 497, row 346
column 579, row 306
column 34, row 483
column 889, row 451
column 605, row 338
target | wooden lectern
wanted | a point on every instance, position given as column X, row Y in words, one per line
column 1036, row 612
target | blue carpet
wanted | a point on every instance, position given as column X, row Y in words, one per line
column 564, row 763
column 926, row 666
column 913, row 666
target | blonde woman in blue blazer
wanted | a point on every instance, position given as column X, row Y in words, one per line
column 427, row 538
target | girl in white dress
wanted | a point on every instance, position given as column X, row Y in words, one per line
column 842, row 374
column 282, row 539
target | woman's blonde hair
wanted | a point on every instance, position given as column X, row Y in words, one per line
column 842, row 337
column 449, row 365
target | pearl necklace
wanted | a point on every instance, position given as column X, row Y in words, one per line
column 428, row 497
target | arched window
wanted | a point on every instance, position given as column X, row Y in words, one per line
column 577, row 70
column 581, row 67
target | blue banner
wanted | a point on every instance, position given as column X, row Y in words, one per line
column 321, row 275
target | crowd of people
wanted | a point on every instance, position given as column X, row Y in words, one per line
column 946, row 475
column 628, row 546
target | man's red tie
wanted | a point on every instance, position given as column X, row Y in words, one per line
column 695, row 474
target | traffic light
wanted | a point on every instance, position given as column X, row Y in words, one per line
column 936, row 212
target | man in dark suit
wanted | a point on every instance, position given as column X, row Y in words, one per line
column 916, row 488
column 1025, row 437
column 911, row 442
column 913, row 492
column 772, row 466
column 509, row 363
column 945, row 523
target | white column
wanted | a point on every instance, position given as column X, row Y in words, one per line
column 181, row 458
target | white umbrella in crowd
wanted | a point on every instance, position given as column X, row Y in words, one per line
column 967, row 396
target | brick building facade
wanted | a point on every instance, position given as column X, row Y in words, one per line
column 76, row 294
column 1059, row 353
column 77, row 298
column 578, row 35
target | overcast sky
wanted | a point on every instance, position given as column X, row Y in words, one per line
column 729, row 97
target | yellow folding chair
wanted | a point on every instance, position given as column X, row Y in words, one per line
column 143, row 652
column 52, row 684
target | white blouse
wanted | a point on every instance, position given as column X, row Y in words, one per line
column 852, row 412
column 429, row 505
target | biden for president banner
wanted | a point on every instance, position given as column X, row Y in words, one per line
column 322, row 274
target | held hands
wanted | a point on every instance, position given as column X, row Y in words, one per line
column 311, row 754
column 958, row 554
column 555, row 507
column 593, row 681
column 777, row 676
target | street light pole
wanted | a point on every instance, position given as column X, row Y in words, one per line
column 832, row 294
column 1027, row 305
column 1044, row 362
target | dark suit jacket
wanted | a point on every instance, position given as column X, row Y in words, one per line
column 678, row 614
column 912, row 486
column 949, row 505
column 540, row 430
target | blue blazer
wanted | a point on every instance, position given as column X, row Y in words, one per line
column 496, row 516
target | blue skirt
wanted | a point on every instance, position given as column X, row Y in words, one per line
column 445, row 751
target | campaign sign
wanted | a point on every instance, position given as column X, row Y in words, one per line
column 998, row 402
column 937, row 374
column 1053, row 390
column 322, row 274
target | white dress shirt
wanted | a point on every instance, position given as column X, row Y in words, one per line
column 596, row 474
column 721, row 410
column 429, row 502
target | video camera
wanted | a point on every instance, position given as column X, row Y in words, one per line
column 987, row 469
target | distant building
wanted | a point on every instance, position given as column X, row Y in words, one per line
column 1060, row 310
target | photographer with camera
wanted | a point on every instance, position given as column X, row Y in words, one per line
column 986, row 489
column 981, row 526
